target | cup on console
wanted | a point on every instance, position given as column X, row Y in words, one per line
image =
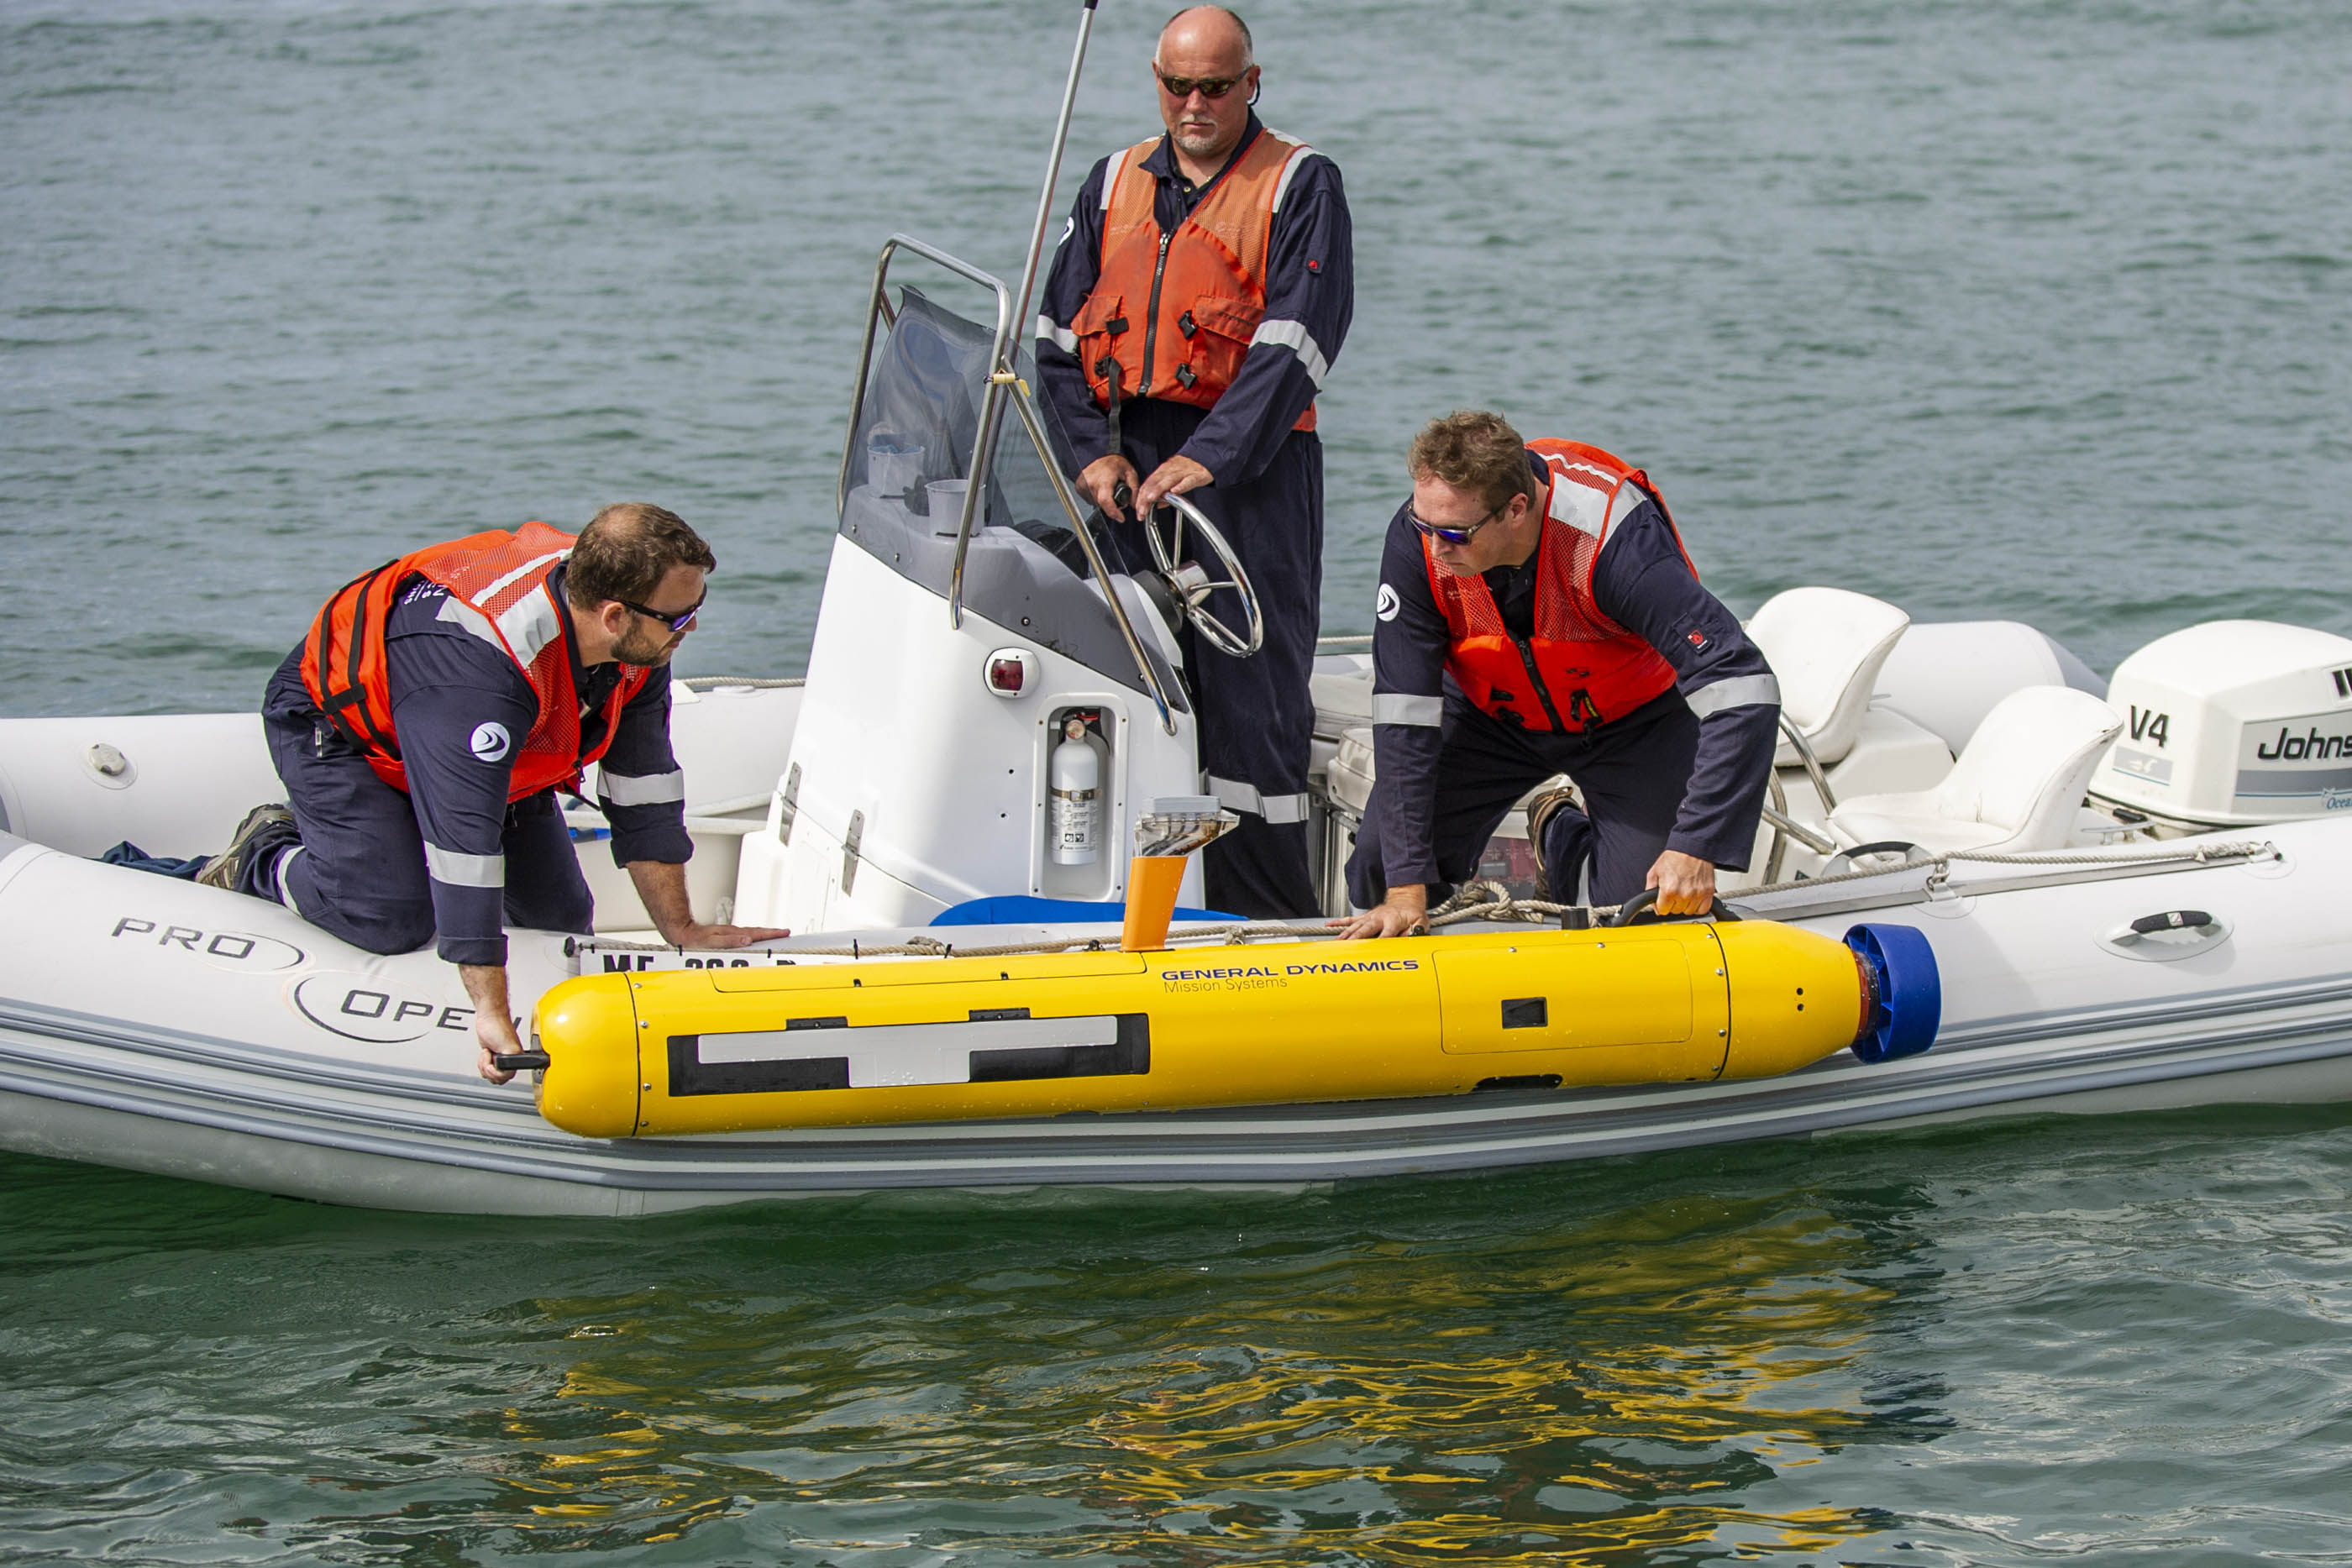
column 892, row 466
column 946, row 500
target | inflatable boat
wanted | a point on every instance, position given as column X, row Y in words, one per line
column 2126, row 899
column 2126, row 895
column 161, row 1026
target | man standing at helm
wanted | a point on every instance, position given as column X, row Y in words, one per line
column 1539, row 615
column 1201, row 290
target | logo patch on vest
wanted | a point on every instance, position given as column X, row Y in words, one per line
column 1698, row 639
column 491, row 742
column 1386, row 605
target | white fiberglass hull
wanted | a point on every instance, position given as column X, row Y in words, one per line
column 164, row 1027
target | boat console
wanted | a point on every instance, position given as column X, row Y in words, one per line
column 973, row 625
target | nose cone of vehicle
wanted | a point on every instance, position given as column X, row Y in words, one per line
column 1906, row 992
column 588, row 1028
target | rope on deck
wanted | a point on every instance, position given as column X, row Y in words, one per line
column 1483, row 901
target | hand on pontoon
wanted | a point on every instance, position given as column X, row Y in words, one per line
column 1101, row 478
column 661, row 888
column 1685, row 883
column 709, row 936
column 1404, row 913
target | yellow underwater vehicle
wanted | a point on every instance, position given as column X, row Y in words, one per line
column 1151, row 1028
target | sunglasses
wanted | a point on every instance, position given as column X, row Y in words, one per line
column 675, row 623
column 1452, row 533
column 1207, row 87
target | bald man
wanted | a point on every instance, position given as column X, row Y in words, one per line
column 1202, row 287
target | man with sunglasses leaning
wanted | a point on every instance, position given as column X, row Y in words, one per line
column 425, row 723
column 1202, row 289
column 1538, row 615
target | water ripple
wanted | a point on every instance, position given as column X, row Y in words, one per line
column 1951, row 1342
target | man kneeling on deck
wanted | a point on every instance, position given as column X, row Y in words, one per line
column 1538, row 615
column 424, row 726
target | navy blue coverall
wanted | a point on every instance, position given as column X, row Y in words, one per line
column 386, row 870
column 1256, row 718
column 1685, row 770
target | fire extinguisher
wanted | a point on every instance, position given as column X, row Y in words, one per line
column 1075, row 779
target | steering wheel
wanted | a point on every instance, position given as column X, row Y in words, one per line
column 1192, row 584
column 1641, row 910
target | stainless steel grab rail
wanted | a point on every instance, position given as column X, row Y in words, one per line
column 1003, row 382
column 1784, row 827
column 878, row 305
column 1812, row 764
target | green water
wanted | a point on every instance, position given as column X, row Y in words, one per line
column 2033, row 309
column 2120, row 1340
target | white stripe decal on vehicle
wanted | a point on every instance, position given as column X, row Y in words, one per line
column 891, row 1056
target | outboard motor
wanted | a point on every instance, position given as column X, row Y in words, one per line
column 2231, row 724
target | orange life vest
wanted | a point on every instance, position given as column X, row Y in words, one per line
column 1581, row 668
column 498, row 590
column 1176, row 314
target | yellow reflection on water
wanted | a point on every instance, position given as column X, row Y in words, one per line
column 1654, row 1358
column 1593, row 1390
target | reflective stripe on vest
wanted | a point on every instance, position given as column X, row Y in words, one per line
column 498, row 592
column 1173, row 316
column 1579, row 668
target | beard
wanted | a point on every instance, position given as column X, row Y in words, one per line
column 644, row 649
column 1200, row 145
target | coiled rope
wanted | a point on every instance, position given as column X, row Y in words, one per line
column 1492, row 901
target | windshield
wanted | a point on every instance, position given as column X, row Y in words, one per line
column 908, row 458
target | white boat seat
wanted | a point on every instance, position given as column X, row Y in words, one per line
column 1350, row 779
column 2015, row 788
column 1342, row 689
column 1826, row 646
